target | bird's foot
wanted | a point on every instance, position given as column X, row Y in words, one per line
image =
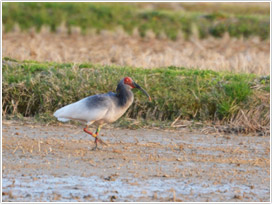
column 102, row 142
column 96, row 148
column 96, row 143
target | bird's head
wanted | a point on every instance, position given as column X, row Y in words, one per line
column 131, row 84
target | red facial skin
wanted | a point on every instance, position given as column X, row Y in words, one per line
column 129, row 81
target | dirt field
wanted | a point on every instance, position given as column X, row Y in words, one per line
column 56, row 163
column 219, row 54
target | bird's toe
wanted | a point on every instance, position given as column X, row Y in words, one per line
column 102, row 142
column 96, row 148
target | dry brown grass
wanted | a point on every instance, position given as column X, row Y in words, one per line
column 211, row 7
column 225, row 54
column 248, row 118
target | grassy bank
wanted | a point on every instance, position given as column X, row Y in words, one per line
column 109, row 16
column 33, row 88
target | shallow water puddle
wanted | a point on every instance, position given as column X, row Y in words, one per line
column 93, row 188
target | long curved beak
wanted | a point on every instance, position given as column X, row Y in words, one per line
column 140, row 88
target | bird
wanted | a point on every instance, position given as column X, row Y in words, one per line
column 101, row 109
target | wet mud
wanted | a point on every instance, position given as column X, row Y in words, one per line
column 57, row 164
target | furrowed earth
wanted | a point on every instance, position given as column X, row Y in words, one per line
column 56, row 163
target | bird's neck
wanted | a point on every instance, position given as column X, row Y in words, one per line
column 124, row 95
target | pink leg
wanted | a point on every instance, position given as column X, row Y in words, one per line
column 87, row 131
column 95, row 136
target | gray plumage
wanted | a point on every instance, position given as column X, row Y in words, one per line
column 101, row 108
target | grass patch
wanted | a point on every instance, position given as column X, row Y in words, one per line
column 245, row 8
column 101, row 16
column 33, row 88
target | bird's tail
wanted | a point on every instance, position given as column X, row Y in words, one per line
column 57, row 114
column 63, row 119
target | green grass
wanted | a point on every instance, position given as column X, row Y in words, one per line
column 229, row 7
column 109, row 16
column 34, row 89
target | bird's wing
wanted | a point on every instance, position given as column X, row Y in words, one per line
column 89, row 109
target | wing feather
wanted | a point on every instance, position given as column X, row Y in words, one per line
column 92, row 108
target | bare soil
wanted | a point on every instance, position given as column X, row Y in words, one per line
column 56, row 163
column 118, row 48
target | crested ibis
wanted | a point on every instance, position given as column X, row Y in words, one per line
column 102, row 108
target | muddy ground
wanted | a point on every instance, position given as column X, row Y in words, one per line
column 56, row 163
